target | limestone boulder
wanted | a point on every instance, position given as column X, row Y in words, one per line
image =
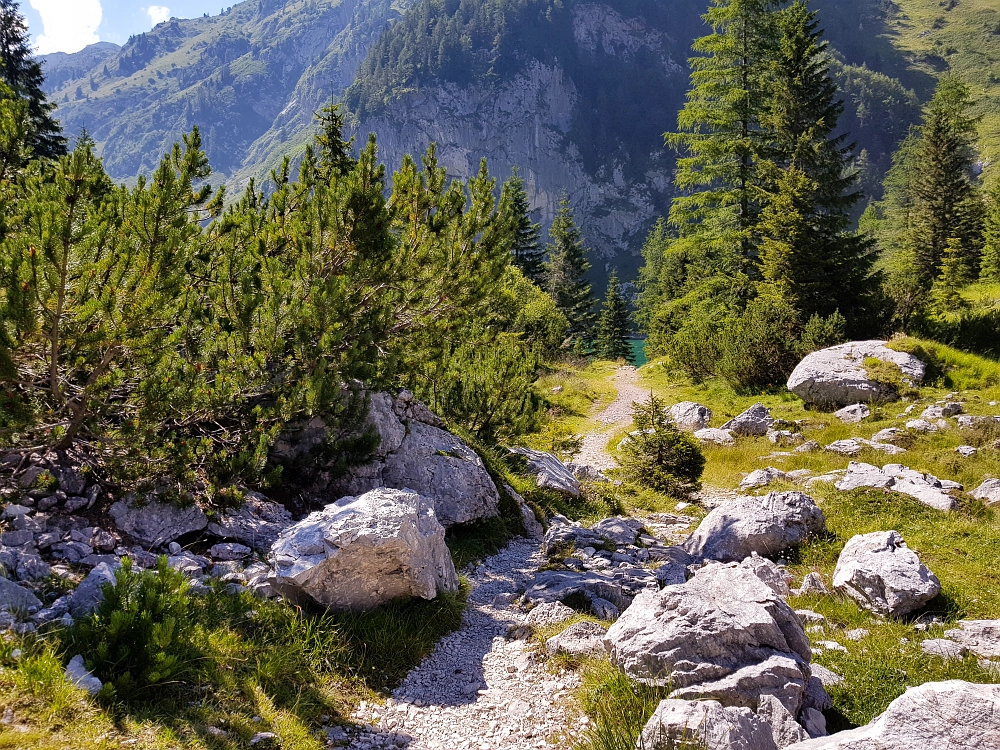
column 765, row 525
column 723, row 635
column 716, row 436
column 981, row 637
column 763, row 477
column 926, row 488
column 417, row 454
column 690, row 416
column 705, row 724
column 754, row 422
column 154, row 524
column 837, row 375
column 90, row 593
column 853, row 414
column 256, row 523
column 950, row 715
column 361, row 552
column 15, row 598
column 988, row 491
column 579, row 639
column 883, row 575
column 549, row 471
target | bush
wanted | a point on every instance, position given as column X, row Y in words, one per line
column 141, row 634
column 658, row 455
column 760, row 349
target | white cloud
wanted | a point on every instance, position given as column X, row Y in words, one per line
column 70, row 25
column 158, row 13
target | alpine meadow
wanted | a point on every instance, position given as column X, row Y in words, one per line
column 501, row 375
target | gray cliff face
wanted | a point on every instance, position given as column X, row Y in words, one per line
column 531, row 121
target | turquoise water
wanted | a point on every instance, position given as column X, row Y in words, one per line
column 639, row 352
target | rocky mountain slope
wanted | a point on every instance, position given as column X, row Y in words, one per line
column 576, row 93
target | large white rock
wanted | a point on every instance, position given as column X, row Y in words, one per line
column 754, row 422
column 550, row 472
column 690, row 416
column 723, row 635
column 417, row 454
column 981, row 637
column 926, row 488
column 951, row 715
column 155, row 523
column 988, row 491
column 766, row 525
column 705, row 724
column 361, row 552
column 883, row 575
column 837, row 375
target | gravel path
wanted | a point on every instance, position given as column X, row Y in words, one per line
column 478, row 689
column 617, row 413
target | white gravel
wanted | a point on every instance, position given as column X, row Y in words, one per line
column 478, row 689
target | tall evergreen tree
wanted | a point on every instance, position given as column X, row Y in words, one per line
column 334, row 156
column 24, row 75
column 945, row 195
column 990, row 266
column 525, row 235
column 807, row 247
column 719, row 131
column 565, row 272
column 615, row 325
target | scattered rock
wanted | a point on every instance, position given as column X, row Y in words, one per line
column 943, row 648
column 363, row 551
column 926, row 488
column 257, row 523
column 981, row 637
column 155, row 523
column 716, row 436
column 619, row 530
column 888, row 435
column 812, row 583
column 548, row 613
column 77, row 673
column 14, row 597
column 229, row 551
column 837, row 375
column 579, row 639
column 949, row 409
column 988, row 491
column 763, row 477
column 921, row 425
column 826, row 676
column 263, row 738
column 550, row 472
column 951, row 714
column 966, row 451
column 690, row 416
column 810, row 446
column 785, row 437
column 705, row 724
column 765, row 525
column 90, row 593
column 754, row 422
column 883, row 575
column 724, row 635
column 853, row 414
column 854, row 446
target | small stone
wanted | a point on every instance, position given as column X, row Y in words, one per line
column 966, row 451
column 262, row 737
column 855, row 634
column 853, row 414
column 943, row 648
column 79, row 675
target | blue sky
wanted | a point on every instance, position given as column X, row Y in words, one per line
column 70, row 25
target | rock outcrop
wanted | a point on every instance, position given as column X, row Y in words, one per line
column 926, row 488
column 723, row 635
column 764, row 525
column 579, row 639
column 690, row 416
column 256, row 523
column 154, row 523
column 981, row 637
column 361, row 552
column 417, row 454
column 705, row 724
column 754, row 422
column 883, row 575
column 837, row 375
column 951, row 715
column 988, row 491
column 549, row 471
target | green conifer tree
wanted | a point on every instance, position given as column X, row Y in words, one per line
column 953, row 274
column 614, row 325
column 23, row 74
column 565, row 272
column 990, row 266
column 514, row 215
column 334, row 156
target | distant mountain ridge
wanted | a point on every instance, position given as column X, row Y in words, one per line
column 577, row 93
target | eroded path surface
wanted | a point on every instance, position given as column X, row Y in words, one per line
column 478, row 688
column 616, row 415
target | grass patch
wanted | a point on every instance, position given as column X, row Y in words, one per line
column 262, row 660
column 618, row 708
column 949, row 367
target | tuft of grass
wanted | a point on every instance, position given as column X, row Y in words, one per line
column 618, row 708
column 949, row 367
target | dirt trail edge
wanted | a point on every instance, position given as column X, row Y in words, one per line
column 617, row 414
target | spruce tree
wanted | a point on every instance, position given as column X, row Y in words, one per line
column 806, row 220
column 946, row 202
column 615, row 325
column 990, row 266
column 953, row 274
column 719, row 134
column 24, row 75
column 565, row 272
column 334, row 158
column 525, row 235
